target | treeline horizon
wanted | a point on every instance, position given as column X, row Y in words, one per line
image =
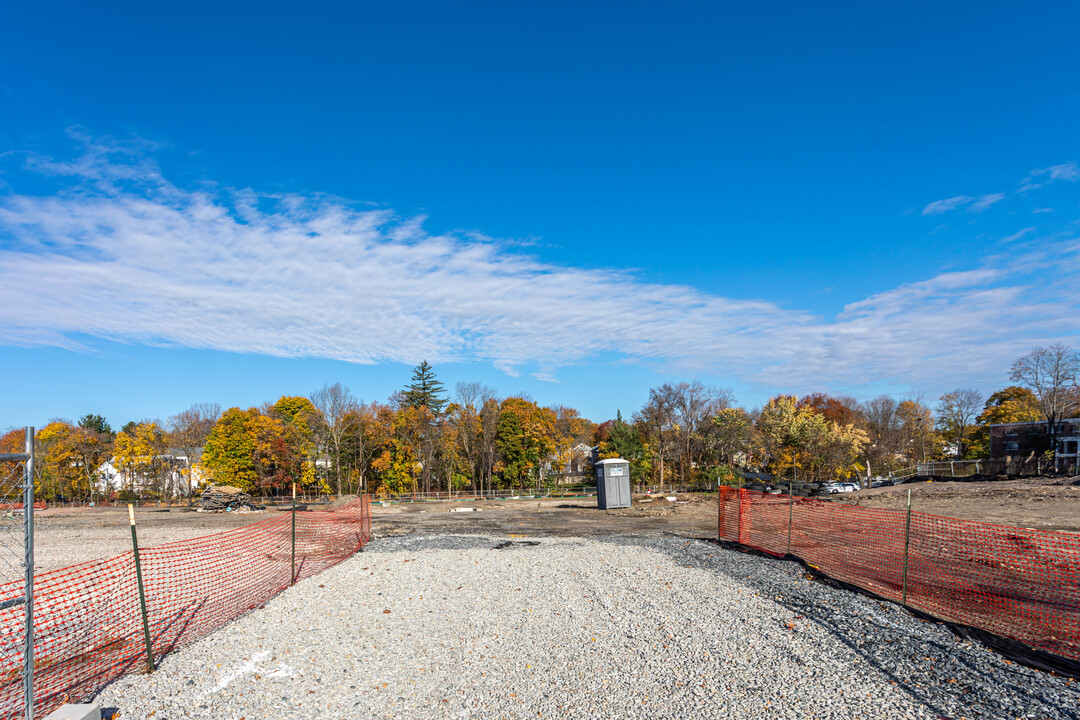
column 424, row 438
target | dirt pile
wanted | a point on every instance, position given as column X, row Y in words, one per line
column 341, row 502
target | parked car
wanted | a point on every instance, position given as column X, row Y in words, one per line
column 841, row 487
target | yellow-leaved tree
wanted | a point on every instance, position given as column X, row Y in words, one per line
column 140, row 456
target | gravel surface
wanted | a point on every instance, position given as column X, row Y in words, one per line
column 447, row 627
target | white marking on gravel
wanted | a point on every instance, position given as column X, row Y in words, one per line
column 244, row 668
column 283, row 671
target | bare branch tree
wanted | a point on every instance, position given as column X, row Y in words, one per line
column 466, row 419
column 339, row 410
column 189, row 429
column 1051, row 373
column 692, row 404
column 658, row 416
column 882, row 422
column 489, row 425
column 956, row 413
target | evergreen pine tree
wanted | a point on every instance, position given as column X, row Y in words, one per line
column 425, row 389
column 95, row 423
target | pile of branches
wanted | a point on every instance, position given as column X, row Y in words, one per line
column 226, row 498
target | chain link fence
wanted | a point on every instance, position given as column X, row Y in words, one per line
column 1019, row 465
column 17, row 581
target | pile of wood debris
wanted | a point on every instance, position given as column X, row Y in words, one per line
column 226, row 498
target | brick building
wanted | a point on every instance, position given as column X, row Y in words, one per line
column 1009, row 440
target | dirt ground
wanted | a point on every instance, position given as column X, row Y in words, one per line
column 1036, row 503
column 65, row 537
column 68, row 536
column 691, row 515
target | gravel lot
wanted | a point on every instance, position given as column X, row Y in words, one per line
column 445, row 626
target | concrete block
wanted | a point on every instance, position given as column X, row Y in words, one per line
column 75, row 712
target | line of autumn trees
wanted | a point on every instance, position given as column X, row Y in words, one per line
column 422, row 439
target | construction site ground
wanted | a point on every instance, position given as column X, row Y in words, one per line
column 1036, row 503
column 68, row 536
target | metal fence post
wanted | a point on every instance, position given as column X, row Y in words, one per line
column 907, row 543
column 292, row 575
column 28, row 587
column 790, row 513
column 142, row 591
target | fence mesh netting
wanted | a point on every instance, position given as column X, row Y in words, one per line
column 1019, row 584
column 87, row 623
column 12, row 579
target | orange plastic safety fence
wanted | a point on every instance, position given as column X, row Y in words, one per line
column 1016, row 583
column 87, row 622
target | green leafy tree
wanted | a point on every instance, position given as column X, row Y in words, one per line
column 525, row 439
column 510, row 441
column 299, row 418
column 618, row 439
column 731, row 435
column 230, row 449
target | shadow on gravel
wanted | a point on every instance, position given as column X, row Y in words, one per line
column 939, row 675
column 512, row 543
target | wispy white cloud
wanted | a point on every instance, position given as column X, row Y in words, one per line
column 973, row 204
column 985, row 201
column 939, row 207
column 1018, row 234
column 118, row 252
column 1066, row 171
column 1038, row 177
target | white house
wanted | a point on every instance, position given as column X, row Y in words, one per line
column 179, row 477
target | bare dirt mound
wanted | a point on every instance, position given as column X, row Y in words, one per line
column 341, row 502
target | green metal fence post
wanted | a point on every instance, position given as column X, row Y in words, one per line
column 907, row 543
column 292, row 576
column 790, row 513
column 142, row 591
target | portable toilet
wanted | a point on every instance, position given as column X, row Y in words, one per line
column 612, row 484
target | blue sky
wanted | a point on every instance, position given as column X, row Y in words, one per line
column 230, row 202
